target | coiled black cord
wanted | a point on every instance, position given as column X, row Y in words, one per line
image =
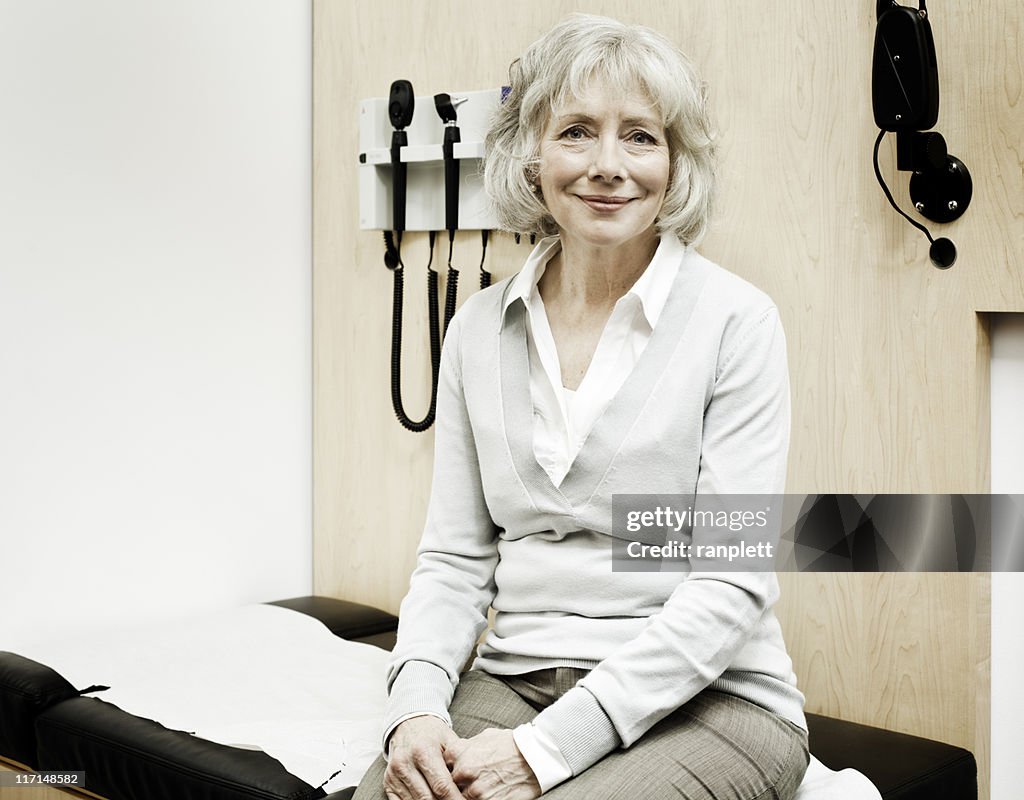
column 485, row 276
column 393, row 260
column 451, row 291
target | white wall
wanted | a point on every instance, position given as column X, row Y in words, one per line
column 1007, row 588
column 155, row 355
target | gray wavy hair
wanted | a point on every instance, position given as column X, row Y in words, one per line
column 561, row 64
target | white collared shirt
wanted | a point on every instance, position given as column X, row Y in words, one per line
column 562, row 418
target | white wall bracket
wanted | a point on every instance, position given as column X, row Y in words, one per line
column 425, row 183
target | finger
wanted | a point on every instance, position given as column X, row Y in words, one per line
column 474, row 790
column 450, row 751
column 438, row 779
column 405, row 782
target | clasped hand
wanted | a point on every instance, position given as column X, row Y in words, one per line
column 428, row 761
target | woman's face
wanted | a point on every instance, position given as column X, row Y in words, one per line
column 604, row 168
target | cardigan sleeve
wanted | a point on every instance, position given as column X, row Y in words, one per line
column 445, row 610
column 710, row 615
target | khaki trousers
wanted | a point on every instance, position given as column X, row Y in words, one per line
column 715, row 747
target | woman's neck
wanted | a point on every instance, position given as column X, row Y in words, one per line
column 594, row 277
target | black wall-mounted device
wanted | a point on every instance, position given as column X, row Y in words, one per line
column 401, row 104
column 904, row 70
column 447, row 106
column 905, row 101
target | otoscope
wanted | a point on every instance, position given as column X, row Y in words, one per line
column 401, row 104
column 400, row 110
column 446, row 106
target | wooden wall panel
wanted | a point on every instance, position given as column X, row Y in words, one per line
column 888, row 356
column 899, row 651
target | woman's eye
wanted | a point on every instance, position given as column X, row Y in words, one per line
column 575, row 133
column 641, row 137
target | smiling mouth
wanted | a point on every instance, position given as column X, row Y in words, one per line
column 605, row 203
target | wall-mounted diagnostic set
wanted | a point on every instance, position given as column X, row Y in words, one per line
column 412, row 178
column 905, row 98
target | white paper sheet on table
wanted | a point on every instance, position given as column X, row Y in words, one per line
column 270, row 678
column 259, row 675
column 822, row 783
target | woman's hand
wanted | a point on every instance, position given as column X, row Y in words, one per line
column 417, row 753
column 490, row 767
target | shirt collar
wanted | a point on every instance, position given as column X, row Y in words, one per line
column 526, row 280
column 651, row 288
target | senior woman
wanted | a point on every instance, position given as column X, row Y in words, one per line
column 618, row 360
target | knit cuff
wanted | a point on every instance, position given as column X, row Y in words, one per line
column 579, row 727
column 419, row 687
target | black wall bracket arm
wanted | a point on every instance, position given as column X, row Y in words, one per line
column 905, row 101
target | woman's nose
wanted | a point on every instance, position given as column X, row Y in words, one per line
column 607, row 162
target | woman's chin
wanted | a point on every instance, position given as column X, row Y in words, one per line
column 607, row 236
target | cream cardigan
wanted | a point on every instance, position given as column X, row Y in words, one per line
column 706, row 410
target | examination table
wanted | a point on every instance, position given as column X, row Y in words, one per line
column 50, row 724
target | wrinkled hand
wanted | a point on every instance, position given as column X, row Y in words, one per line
column 489, row 766
column 417, row 768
